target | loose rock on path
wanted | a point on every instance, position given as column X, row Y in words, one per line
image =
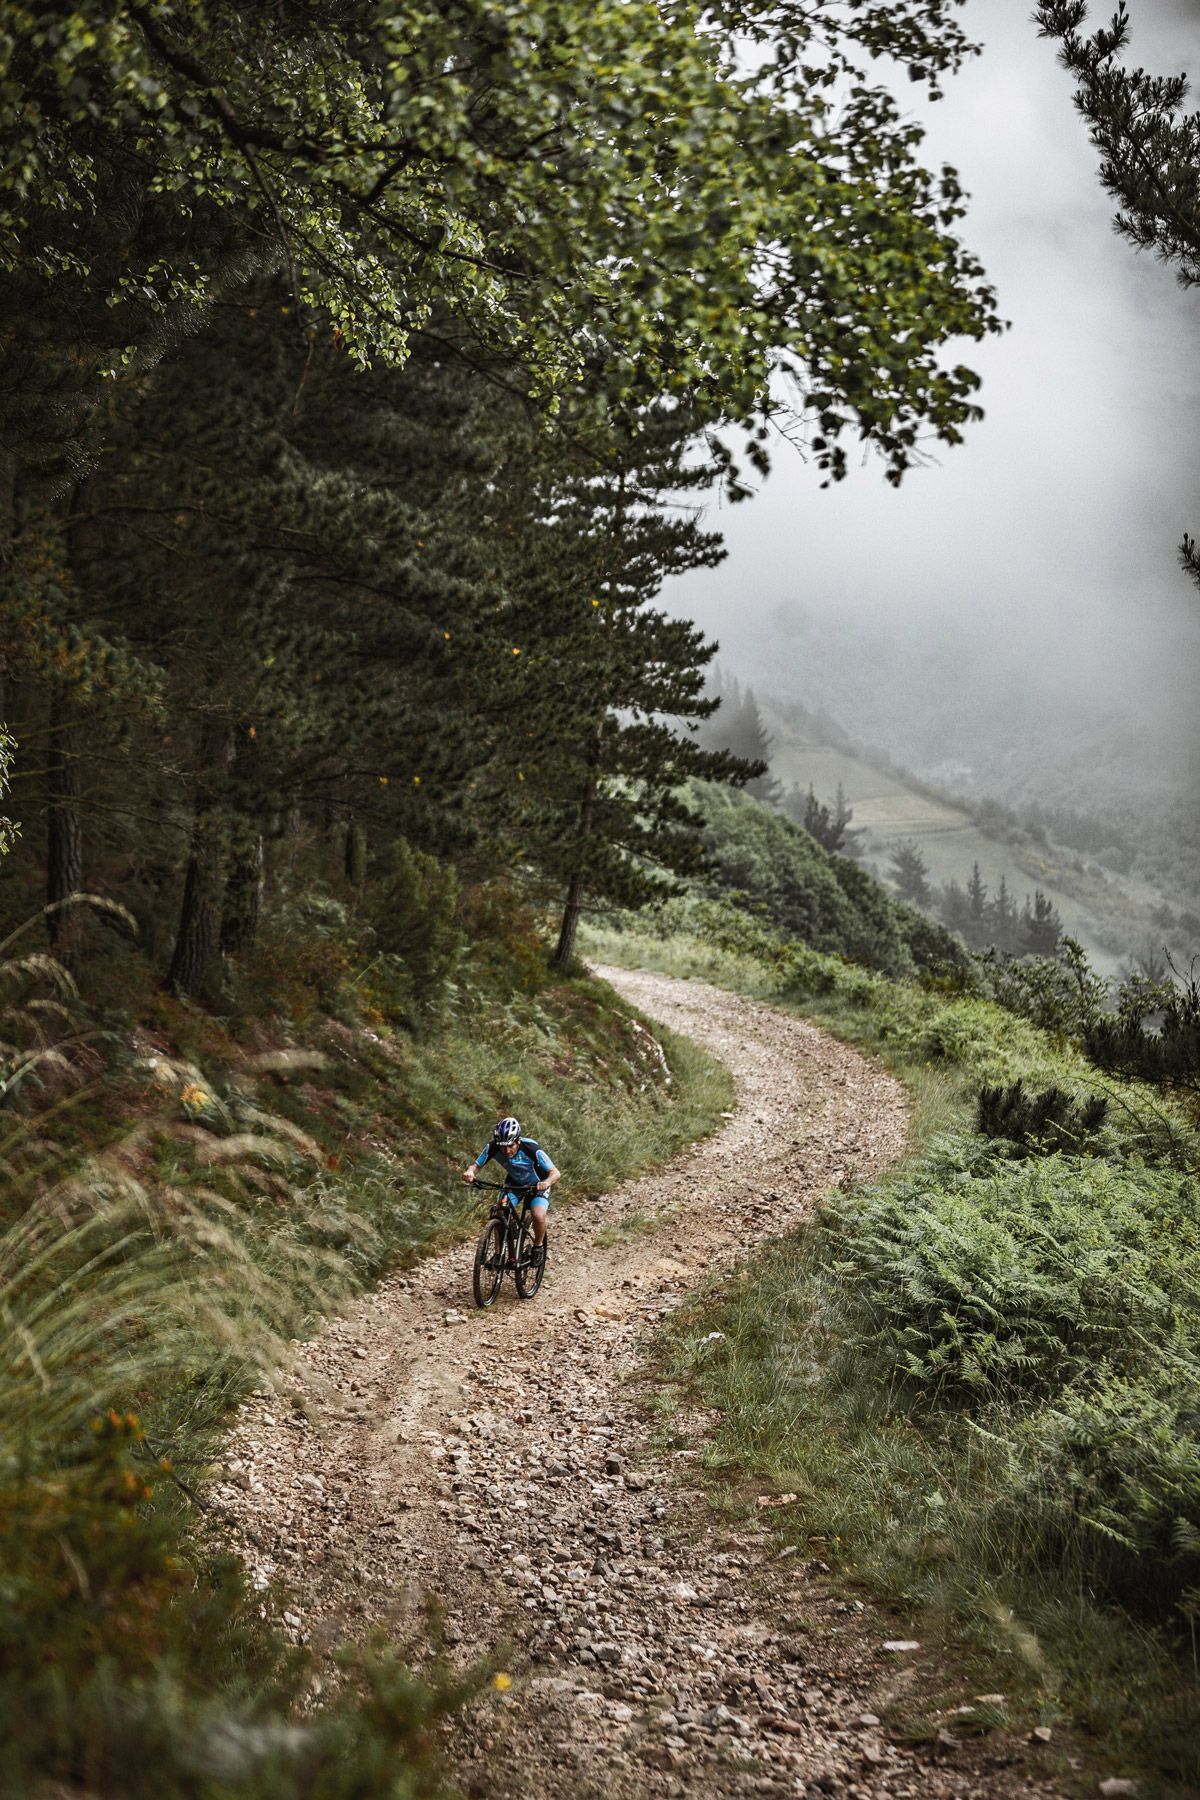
column 502, row 1463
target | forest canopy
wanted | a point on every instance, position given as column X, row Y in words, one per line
column 359, row 368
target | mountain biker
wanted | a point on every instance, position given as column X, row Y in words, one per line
column 527, row 1170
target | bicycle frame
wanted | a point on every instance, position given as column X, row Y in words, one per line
column 514, row 1220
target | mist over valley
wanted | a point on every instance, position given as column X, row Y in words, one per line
column 1010, row 626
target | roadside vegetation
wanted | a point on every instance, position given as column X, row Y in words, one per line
column 767, row 874
column 183, row 1197
column 355, row 372
column 980, row 1376
column 1088, row 870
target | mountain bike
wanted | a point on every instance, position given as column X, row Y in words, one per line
column 507, row 1244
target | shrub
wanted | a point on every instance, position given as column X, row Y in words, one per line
column 1047, row 1269
column 1168, row 1056
column 504, row 946
column 413, row 915
column 1063, row 995
column 767, row 865
column 301, row 962
column 1037, row 1122
column 1111, row 1475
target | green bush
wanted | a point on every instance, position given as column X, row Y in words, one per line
column 1062, row 995
column 413, row 912
column 1168, row 1053
column 768, row 866
column 982, row 1286
column 1108, row 1475
column 1034, row 1122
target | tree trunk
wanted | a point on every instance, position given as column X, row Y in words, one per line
column 200, row 914
column 8, row 531
column 565, row 949
column 64, row 763
column 242, row 906
column 355, row 862
column 64, row 832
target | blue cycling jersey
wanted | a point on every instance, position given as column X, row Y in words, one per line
column 528, row 1164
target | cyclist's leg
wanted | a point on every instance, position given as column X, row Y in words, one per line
column 538, row 1209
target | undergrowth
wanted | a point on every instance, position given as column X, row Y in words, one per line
column 980, row 1375
column 176, row 1212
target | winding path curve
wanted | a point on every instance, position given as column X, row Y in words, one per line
column 654, row 1650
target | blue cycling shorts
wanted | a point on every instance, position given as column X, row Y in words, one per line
column 537, row 1202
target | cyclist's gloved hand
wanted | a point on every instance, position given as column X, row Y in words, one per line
column 469, row 1175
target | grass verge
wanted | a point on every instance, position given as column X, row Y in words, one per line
column 980, row 1376
column 169, row 1233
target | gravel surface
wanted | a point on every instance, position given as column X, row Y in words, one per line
column 503, row 1464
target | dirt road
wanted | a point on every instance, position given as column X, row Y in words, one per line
column 653, row 1651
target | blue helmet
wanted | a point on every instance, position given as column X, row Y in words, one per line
column 508, row 1131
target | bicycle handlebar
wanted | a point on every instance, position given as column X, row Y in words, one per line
column 494, row 1187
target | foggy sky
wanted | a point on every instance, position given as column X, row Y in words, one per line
column 1056, row 523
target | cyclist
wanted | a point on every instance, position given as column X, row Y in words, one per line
column 527, row 1170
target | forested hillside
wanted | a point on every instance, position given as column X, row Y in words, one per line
column 366, row 375
column 1102, row 889
column 363, row 374
column 1106, row 764
column 339, row 444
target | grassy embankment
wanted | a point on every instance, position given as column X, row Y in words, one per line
column 169, row 1231
column 981, row 1376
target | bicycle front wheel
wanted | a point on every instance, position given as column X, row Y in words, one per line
column 531, row 1261
column 489, row 1263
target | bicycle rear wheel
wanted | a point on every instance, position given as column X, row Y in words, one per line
column 489, row 1263
column 531, row 1261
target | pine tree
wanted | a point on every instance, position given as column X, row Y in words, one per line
column 1149, row 148
column 910, row 874
column 736, row 727
column 977, row 896
column 592, row 761
column 1041, row 927
column 955, row 909
column 292, row 591
column 1002, row 919
column 829, row 825
column 748, row 740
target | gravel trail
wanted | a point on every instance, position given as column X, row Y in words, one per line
column 653, row 1650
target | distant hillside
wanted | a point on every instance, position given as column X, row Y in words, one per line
column 774, row 870
column 1113, row 917
column 1116, row 765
